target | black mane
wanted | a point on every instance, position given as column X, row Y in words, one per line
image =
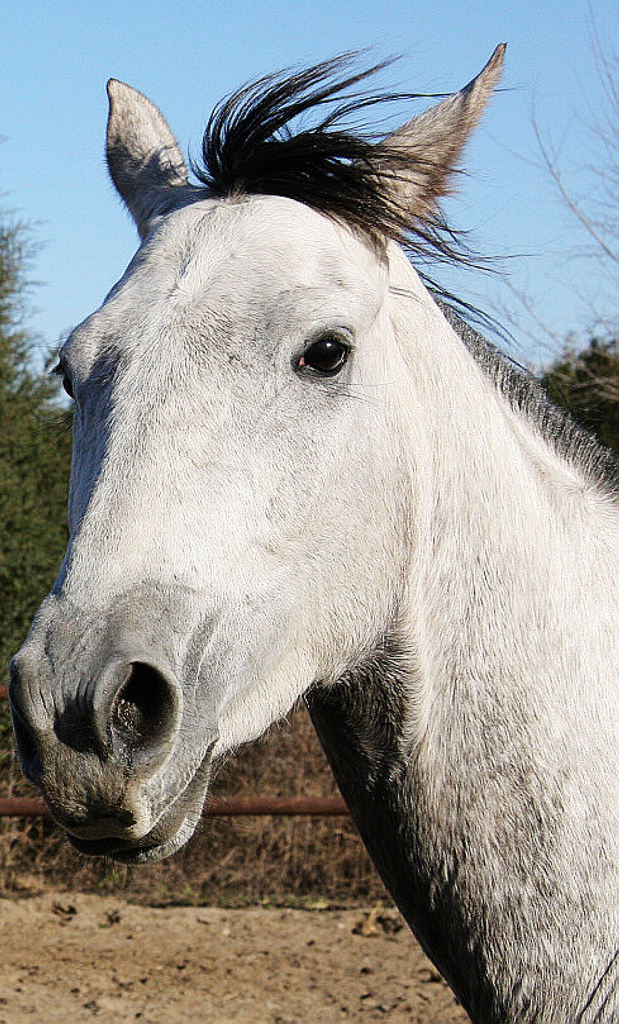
column 249, row 147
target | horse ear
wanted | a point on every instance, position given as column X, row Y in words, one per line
column 143, row 156
column 419, row 158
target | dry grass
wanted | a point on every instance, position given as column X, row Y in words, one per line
column 230, row 861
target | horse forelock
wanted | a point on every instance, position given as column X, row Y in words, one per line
column 250, row 147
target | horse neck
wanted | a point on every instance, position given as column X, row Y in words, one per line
column 511, row 572
column 464, row 744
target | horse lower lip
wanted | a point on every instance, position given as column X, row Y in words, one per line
column 120, row 849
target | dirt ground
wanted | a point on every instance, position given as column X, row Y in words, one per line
column 70, row 958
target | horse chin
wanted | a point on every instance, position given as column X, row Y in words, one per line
column 172, row 830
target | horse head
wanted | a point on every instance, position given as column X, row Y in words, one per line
column 241, row 485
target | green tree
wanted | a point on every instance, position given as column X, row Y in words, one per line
column 34, row 459
column 587, row 384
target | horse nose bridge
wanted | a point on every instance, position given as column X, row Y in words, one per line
column 137, row 484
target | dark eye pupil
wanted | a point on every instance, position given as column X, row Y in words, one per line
column 325, row 356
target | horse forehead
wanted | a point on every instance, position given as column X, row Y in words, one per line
column 238, row 259
column 260, row 240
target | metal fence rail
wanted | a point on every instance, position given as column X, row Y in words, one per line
column 28, row 807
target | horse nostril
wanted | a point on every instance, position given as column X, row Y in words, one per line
column 25, row 736
column 27, row 747
column 144, row 708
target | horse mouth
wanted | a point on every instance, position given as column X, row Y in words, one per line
column 173, row 828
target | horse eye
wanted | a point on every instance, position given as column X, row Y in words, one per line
column 326, row 356
column 59, row 371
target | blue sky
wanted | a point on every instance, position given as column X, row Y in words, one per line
column 57, row 57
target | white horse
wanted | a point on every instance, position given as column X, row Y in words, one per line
column 295, row 473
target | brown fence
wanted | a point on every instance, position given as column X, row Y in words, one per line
column 25, row 807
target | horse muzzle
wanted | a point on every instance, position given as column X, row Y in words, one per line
column 97, row 720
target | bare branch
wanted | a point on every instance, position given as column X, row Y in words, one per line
column 595, row 213
column 572, row 205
